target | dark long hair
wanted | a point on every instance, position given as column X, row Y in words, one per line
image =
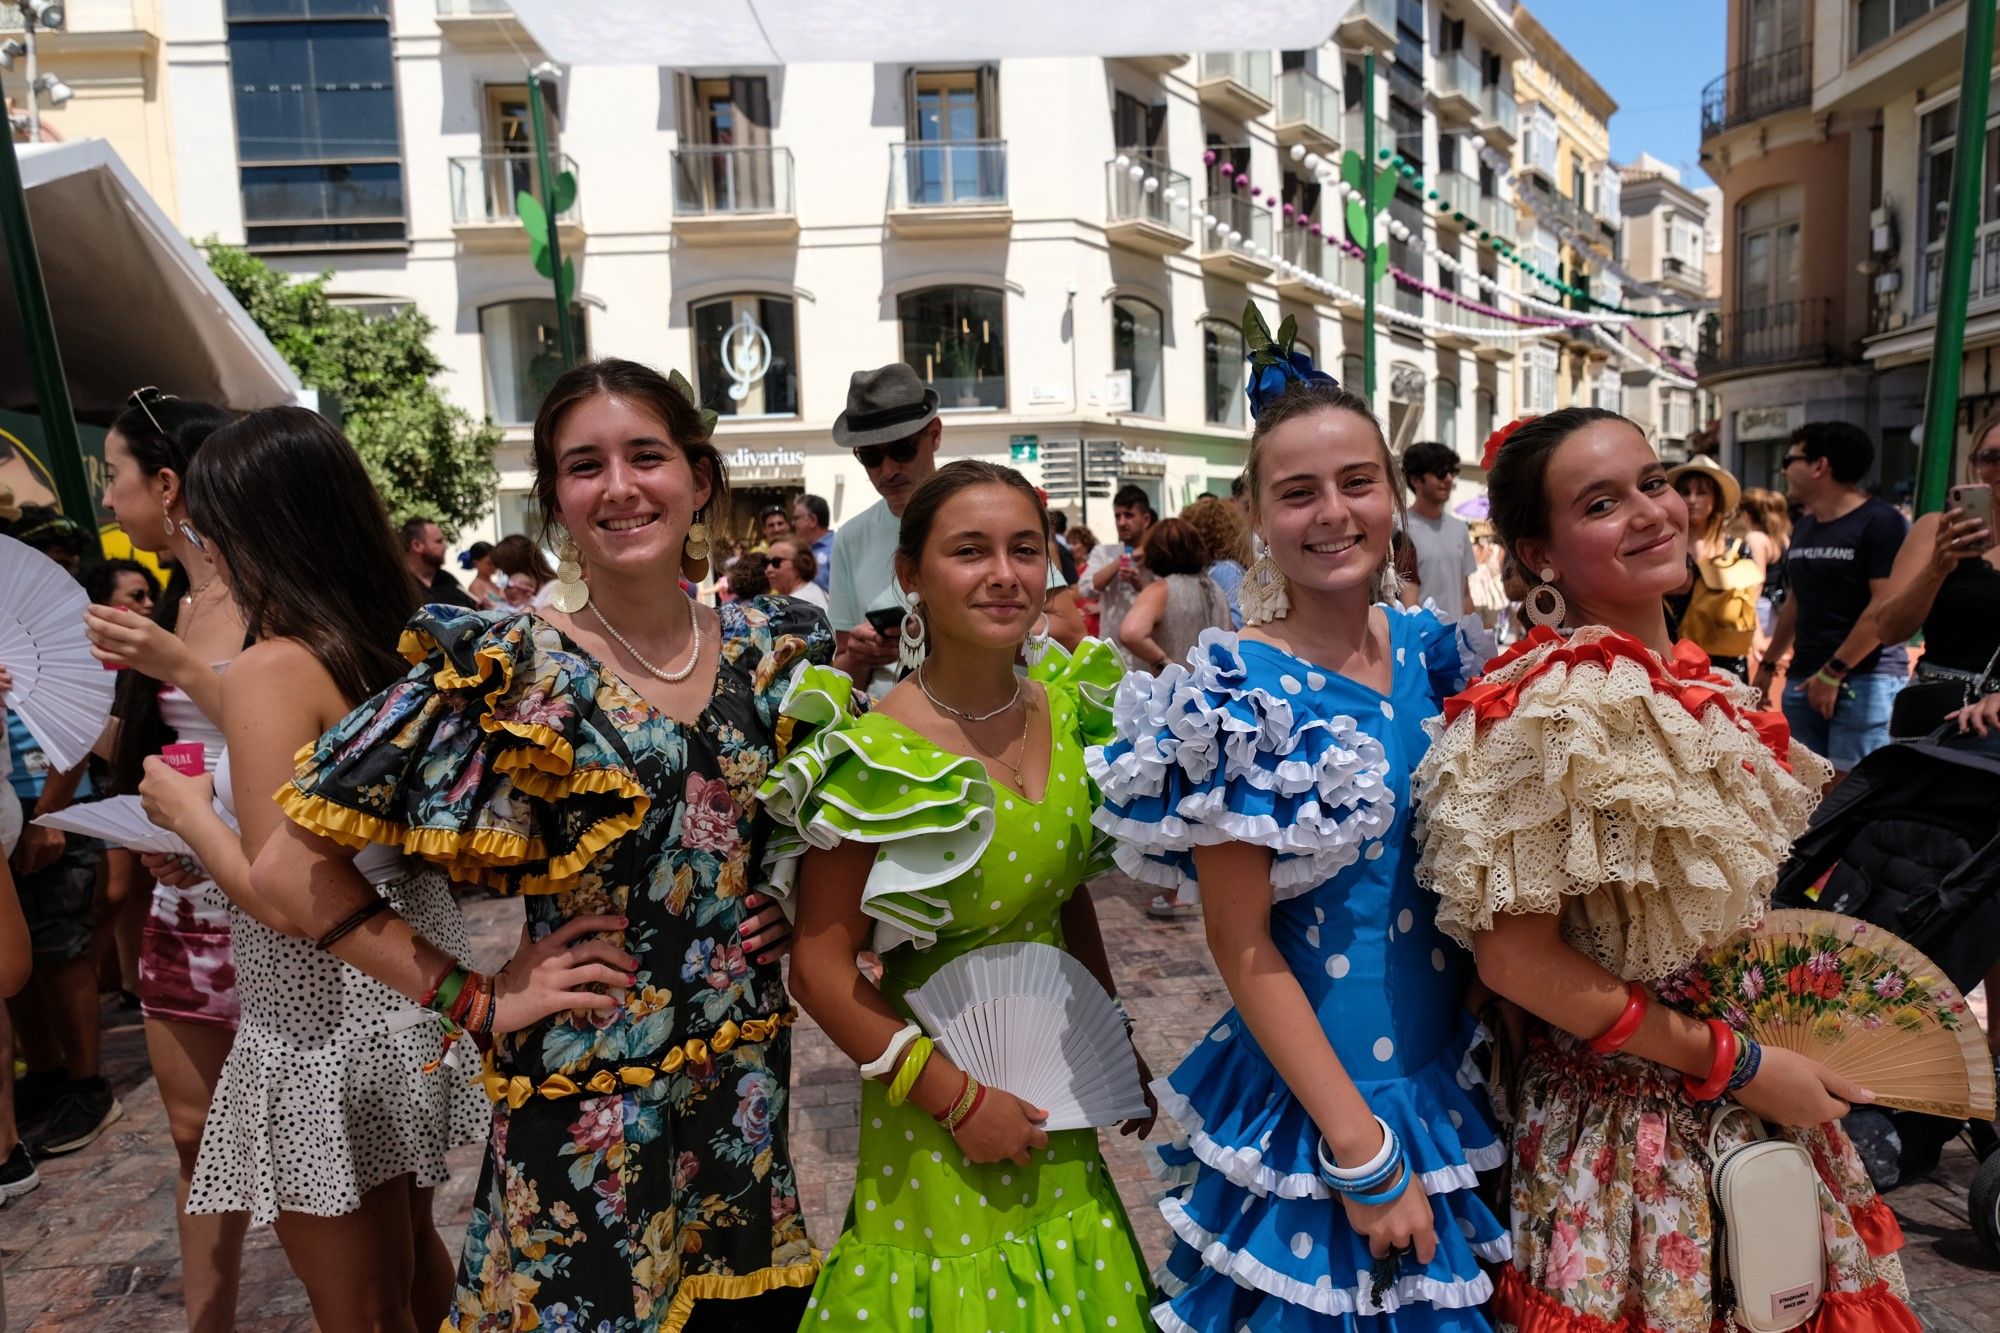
column 282, row 496
column 921, row 511
column 1517, row 486
column 183, row 426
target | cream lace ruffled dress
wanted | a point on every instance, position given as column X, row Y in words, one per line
column 1649, row 804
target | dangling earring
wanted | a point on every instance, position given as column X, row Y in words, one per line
column 1545, row 615
column 1263, row 596
column 1037, row 646
column 910, row 652
column 694, row 552
column 571, row 593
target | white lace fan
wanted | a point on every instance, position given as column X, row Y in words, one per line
column 120, row 821
column 1031, row 1020
column 61, row 692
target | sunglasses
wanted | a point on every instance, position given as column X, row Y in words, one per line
column 1987, row 458
column 773, row 561
column 1796, row 458
column 145, row 396
column 902, row 451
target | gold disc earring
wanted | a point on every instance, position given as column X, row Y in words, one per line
column 571, row 593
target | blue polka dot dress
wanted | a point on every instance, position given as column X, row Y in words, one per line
column 1250, row 744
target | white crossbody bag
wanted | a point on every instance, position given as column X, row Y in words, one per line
column 1767, row 1212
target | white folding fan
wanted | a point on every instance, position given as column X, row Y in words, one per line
column 121, row 821
column 1029, row 1019
column 62, row 693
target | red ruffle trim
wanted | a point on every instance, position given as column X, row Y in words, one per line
column 1688, row 678
column 1877, row 1225
column 1874, row 1309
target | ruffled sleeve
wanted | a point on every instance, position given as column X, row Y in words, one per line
column 1451, row 652
column 765, row 639
column 1205, row 754
column 491, row 758
column 1647, row 803
column 856, row 778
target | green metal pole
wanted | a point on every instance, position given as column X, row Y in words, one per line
column 24, row 266
column 1368, row 236
column 544, row 169
column 1941, row 397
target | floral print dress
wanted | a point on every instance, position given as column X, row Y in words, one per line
column 637, row 1160
column 1648, row 805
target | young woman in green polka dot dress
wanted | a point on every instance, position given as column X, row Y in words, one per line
column 955, row 815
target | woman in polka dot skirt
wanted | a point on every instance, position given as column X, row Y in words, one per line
column 955, row 815
column 1328, row 1127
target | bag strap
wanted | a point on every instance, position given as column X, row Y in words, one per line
column 1719, row 1118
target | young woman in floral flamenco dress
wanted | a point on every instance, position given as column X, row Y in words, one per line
column 1600, row 809
column 955, row 815
column 1330, row 1125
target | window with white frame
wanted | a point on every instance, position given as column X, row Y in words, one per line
column 1608, row 389
column 1538, row 139
column 1446, row 392
column 746, row 357
column 1222, row 365
column 956, row 337
column 1137, row 334
column 519, row 343
column 1538, row 378
column 1545, row 253
column 1676, row 413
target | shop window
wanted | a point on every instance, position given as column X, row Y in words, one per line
column 956, row 337
column 746, row 355
column 1223, row 368
column 520, row 347
column 1137, row 335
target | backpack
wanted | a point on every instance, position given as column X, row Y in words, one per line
column 1721, row 616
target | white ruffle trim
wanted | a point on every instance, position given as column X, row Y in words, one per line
column 1244, row 1167
column 1410, row 1289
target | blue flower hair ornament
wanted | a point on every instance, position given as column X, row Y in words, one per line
column 1274, row 366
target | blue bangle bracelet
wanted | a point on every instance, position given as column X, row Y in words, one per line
column 1363, row 1184
column 1747, row 1064
column 1391, row 1194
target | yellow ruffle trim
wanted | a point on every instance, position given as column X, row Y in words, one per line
column 516, row 1089
column 735, row 1287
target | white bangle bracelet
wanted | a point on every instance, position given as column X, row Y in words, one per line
column 891, row 1053
column 1368, row 1168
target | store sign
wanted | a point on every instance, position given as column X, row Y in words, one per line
column 1022, row 448
column 746, row 355
column 766, row 465
column 1769, row 423
column 1137, row 462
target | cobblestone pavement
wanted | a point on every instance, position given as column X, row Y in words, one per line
column 94, row 1247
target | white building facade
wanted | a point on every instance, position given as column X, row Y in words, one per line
column 814, row 220
column 1667, row 247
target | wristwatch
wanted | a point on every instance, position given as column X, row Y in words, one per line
column 1835, row 667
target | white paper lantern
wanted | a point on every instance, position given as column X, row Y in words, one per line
column 1298, row 151
column 1152, row 184
column 1314, row 161
column 1121, row 161
column 1136, row 172
column 1208, row 220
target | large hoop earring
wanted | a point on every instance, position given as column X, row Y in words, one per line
column 182, row 526
column 1037, row 645
column 912, row 646
column 570, row 593
column 1263, row 597
column 1550, row 615
column 694, row 552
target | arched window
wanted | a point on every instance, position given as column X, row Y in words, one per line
column 1222, row 366
column 956, row 337
column 1482, row 414
column 1137, row 334
column 522, row 354
column 746, row 355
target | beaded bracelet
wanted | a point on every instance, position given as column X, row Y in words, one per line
column 1613, row 1038
column 913, row 1066
column 1719, row 1069
column 1749, row 1058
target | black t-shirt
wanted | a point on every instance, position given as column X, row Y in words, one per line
column 445, row 589
column 1827, row 571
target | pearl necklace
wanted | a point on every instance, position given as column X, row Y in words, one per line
column 671, row 677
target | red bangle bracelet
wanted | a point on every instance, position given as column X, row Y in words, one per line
column 1719, row 1068
column 965, row 1081
column 1613, row 1038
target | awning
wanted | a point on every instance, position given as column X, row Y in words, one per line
column 133, row 301
column 684, row 33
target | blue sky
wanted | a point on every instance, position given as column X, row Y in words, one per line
column 1654, row 59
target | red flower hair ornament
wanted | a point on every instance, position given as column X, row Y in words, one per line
column 1498, row 441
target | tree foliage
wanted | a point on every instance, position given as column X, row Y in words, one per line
column 427, row 457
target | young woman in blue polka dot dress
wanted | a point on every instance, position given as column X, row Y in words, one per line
column 954, row 815
column 1329, row 1126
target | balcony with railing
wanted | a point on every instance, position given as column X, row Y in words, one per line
column 1239, row 245
column 1236, row 83
column 1308, row 112
column 482, row 25
column 1457, row 202
column 484, row 188
column 1352, row 129
column 1312, row 258
column 1685, row 275
column 1156, row 218
column 949, row 187
column 1498, row 117
column 1983, row 284
column 1459, row 86
column 1757, row 88
column 1758, row 337
column 730, row 194
column 1498, row 216
column 1369, row 23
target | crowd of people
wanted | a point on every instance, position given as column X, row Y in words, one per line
column 877, row 749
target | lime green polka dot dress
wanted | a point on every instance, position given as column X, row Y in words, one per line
column 933, row 1240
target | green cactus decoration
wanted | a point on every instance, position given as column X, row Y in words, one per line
column 535, row 221
column 1353, row 172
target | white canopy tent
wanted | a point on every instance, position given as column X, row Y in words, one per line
column 780, row 32
column 133, row 302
